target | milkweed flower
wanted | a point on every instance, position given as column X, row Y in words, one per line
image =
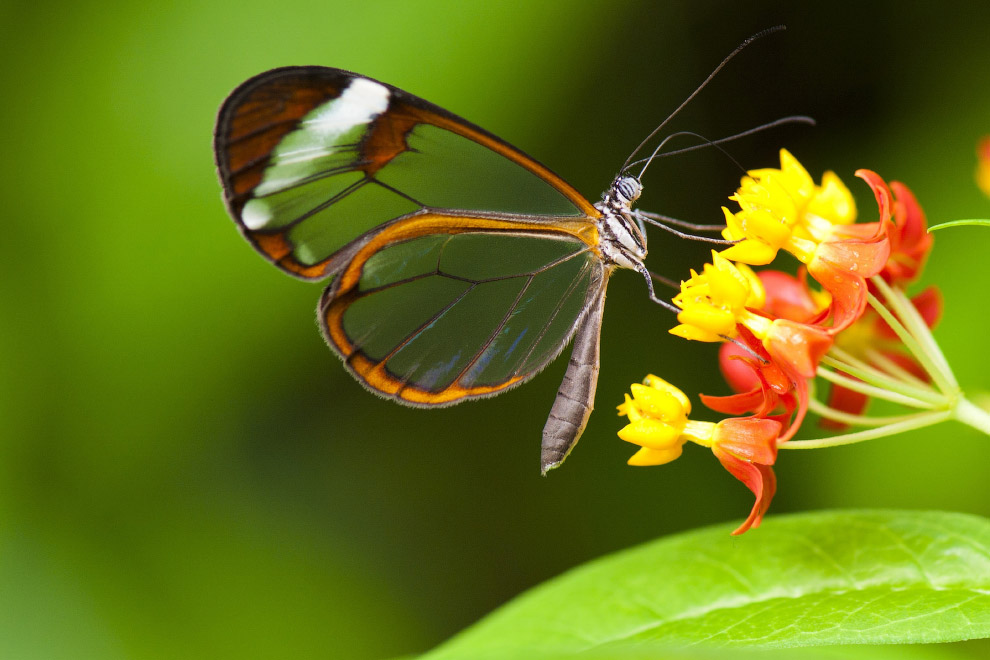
column 714, row 301
column 845, row 319
column 746, row 447
column 783, row 209
column 724, row 297
column 763, row 387
column 983, row 165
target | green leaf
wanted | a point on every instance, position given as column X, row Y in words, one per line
column 842, row 577
column 960, row 223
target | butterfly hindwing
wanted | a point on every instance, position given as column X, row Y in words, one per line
column 424, row 315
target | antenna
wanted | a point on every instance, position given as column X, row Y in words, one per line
column 740, row 47
column 792, row 119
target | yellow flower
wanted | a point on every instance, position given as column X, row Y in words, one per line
column 658, row 422
column 784, row 209
column 714, row 301
column 724, row 296
column 745, row 446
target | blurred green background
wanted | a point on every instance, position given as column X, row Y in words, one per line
column 187, row 471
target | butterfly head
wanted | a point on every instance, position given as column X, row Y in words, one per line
column 625, row 190
column 618, row 200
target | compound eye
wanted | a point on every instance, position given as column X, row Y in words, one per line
column 629, row 188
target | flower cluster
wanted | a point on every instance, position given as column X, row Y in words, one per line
column 844, row 318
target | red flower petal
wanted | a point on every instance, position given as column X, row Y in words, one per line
column 787, row 297
column 841, row 267
column 880, row 191
column 737, row 404
column 848, row 293
column 752, row 439
column 761, row 385
column 856, row 252
column 797, row 347
column 863, row 257
column 929, row 305
column 759, row 479
column 910, row 242
column 908, row 216
column 798, row 402
column 734, row 363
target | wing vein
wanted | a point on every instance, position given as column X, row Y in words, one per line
column 322, row 174
column 553, row 315
column 498, row 329
column 281, row 229
column 415, row 333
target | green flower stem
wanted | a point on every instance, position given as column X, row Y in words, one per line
column 917, row 421
column 876, row 392
column 972, row 415
column 916, row 325
column 894, row 369
column 880, row 379
column 912, row 344
column 958, row 223
column 879, row 369
column 827, row 412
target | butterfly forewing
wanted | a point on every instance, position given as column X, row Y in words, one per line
column 313, row 158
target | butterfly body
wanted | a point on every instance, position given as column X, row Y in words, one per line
column 459, row 267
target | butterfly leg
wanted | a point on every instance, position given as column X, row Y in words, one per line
column 640, row 223
column 644, row 271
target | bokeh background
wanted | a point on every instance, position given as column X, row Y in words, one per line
column 187, row 471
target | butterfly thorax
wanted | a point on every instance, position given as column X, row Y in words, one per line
column 621, row 241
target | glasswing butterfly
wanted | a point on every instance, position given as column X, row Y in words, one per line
column 459, row 266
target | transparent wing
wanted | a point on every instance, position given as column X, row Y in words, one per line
column 430, row 315
column 313, row 159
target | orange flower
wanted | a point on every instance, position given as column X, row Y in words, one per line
column 910, row 242
column 725, row 297
column 983, row 165
column 860, row 332
column 850, row 254
column 763, row 387
column 746, row 447
column 790, row 297
column 783, row 209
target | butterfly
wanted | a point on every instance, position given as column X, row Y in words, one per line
column 458, row 266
